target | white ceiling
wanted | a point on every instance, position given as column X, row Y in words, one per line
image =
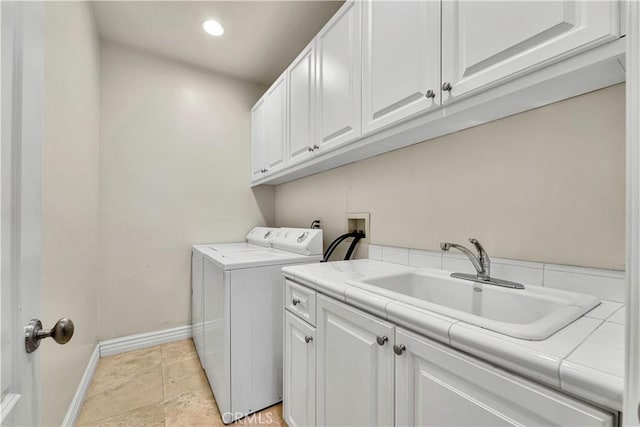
column 261, row 37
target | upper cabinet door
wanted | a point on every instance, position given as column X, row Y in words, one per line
column 258, row 139
column 401, row 60
column 301, row 98
column 486, row 42
column 276, row 123
column 339, row 77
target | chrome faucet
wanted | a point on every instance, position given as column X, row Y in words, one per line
column 481, row 263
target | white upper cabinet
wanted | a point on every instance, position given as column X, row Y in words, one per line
column 486, row 42
column 338, row 78
column 400, row 60
column 354, row 373
column 258, row 140
column 276, row 124
column 301, row 75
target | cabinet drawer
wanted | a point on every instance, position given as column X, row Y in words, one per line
column 301, row 301
column 436, row 385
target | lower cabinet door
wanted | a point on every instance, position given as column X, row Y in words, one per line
column 355, row 367
column 438, row 386
column 299, row 399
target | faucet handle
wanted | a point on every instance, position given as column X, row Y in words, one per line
column 481, row 252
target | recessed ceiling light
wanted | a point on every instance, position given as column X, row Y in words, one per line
column 213, row 27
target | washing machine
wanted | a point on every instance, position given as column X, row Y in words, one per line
column 256, row 238
column 242, row 318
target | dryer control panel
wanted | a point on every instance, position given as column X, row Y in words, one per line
column 304, row 241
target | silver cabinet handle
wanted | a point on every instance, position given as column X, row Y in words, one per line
column 61, row 333
column 430, row 94
column 381, row 339
column 446, row 86
column 308, row 339
column 296, row 301
column 399, row 349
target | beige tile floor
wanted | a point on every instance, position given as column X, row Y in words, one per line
column 158, row 386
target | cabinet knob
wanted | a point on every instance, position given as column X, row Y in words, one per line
column 315, row 147
column 309, row 149
column 381, row 339
column 430, row 94
column 399, row 349
column 295, row 301
column 308, row 339
column 446, row 86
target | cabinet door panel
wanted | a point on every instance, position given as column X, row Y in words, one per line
column 276, row 116
column 355, row 373
column 338, row 77
column 438, row 386
column 401, row 60
column 258, row 139
column 301, row 88
column 299, row 403
column 486, row 42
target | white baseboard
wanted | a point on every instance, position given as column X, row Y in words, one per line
column 78, row 398
column 138, row 341
column 115, row 346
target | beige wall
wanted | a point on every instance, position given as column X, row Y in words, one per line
column 174, row 171
column 545, row 185
column 69, row 199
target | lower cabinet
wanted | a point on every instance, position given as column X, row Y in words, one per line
column 438, row 386
column 299, row 398
column 354, row 373
column 354, row 369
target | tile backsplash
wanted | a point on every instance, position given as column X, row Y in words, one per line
column 605, row 284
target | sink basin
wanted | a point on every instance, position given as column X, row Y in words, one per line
column 533, row 313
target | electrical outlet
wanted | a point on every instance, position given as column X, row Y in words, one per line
column 359, row 222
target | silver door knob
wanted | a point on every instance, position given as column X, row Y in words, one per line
column 308, row 339
column 381, row 339
column 399, row 349
column 296, row 301
column 446, row 86
column 61, row 333
column 430, row 94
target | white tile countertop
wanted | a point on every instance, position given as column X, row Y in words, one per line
column 585, row 358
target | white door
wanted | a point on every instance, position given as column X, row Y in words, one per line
column 301, row 98
column 400, row 61
column 258, row 140
column 487, row 42
column 438, row 386
column 20, row 170
column 354, row 373
column 299, row 399
column 338, row 76
column 276, row 117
